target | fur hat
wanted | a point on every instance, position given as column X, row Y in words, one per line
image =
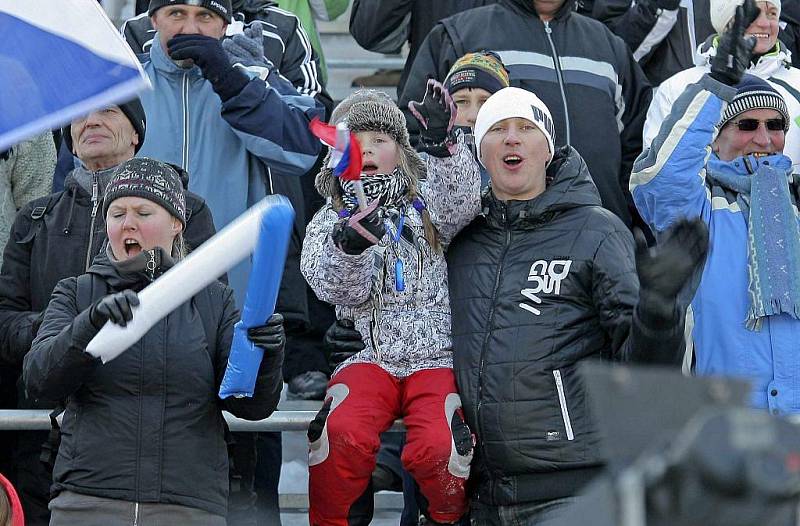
column 370, row 110
column 754, row 93
column 723, row 11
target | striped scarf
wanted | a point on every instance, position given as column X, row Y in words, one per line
column 388, row 188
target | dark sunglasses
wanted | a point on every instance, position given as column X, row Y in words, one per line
column 749, row 125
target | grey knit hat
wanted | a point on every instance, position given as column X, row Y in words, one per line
column 151, row 180
column 371, row 110
column 754, row 93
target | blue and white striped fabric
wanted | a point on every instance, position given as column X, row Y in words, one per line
column 59, row 59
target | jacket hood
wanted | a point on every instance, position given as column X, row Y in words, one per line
column 528, row 7
column 131, row 273
column 570, row 186
column 764, row 67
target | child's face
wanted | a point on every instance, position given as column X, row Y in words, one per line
column 469, row 101
column 379, row 153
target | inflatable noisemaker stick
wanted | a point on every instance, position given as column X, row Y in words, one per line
column 213, row 258
column 346, row 155
column 259, row 304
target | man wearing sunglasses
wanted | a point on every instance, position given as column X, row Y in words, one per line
column 719, row 156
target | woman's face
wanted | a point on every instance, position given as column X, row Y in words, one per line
column 379, row 153
column 469, row 101
column 135, row 224
column 764, row 28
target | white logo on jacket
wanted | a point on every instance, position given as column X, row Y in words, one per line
column 547, row 276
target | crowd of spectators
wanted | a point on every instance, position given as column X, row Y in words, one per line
column 556, row 181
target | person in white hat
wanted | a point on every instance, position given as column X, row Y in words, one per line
column 771, row 61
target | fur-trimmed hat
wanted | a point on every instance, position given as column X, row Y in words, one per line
column 371, row 110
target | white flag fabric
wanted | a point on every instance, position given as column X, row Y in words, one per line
column 59, row 59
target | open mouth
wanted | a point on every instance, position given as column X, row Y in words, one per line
column 760, row 154
column 512, row 161
column 132, row 247
column 369, row 168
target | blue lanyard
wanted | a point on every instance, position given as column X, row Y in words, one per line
column 399, row 280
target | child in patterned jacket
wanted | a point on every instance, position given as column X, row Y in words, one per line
column 384, row 268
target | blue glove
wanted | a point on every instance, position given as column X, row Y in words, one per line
column 208, row 53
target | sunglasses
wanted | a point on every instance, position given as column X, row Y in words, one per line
column 750, row 125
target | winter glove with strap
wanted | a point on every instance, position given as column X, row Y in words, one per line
column 208, row 53
column 360, row 231
column 436, row 115
column 734, row 50
column 270, row 336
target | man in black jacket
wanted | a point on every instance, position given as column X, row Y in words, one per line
column 543, row 279
column 56, row 237
column 577, row 66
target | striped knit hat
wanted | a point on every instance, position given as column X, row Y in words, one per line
column 754, row 93
column 483, row 69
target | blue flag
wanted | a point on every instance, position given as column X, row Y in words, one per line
column 59, row 60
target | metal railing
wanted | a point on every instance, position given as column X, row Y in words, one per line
column 365, row 63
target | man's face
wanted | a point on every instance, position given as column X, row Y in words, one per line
column 515, row 152
column 183, row 19
column 103, row 138
column 733, row 142
column 469, row 101
column 547, row 9
column 764, row 28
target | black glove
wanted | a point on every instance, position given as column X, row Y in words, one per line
column 116, row 308
column 269, row 336
column 665, row 269
column 360, row 231
column 210, row 56
column 341, row 341
column 734, row 50
column 436, row 115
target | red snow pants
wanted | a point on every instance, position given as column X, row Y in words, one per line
column 362, row 402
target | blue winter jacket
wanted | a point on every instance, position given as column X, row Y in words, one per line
column 669, row 182
column 228, row 149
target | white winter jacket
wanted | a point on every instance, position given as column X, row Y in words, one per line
column 774, row 67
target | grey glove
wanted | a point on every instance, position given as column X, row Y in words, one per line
column 247, row 48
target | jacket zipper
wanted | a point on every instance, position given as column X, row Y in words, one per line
column 135, row 514
column 560, row 76
column 486, row 338
column 185, row 105
column 95, row 203
column 562, row 401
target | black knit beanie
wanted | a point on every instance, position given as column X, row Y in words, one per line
column 133, row 110
column 149, row 179
column 221, row 7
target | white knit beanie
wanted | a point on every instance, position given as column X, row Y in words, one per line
column 723, row 11
column 514, row 102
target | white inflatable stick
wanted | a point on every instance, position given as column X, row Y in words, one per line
column 212, row 259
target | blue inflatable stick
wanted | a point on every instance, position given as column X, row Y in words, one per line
column 262, row 293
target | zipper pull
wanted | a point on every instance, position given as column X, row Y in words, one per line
column 151, row 265
column 95, row 194
column 547, row 27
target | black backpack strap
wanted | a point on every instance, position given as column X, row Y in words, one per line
column 37, row 215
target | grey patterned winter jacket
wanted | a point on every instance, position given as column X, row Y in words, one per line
column 412, row 327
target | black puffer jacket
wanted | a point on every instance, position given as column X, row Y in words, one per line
column 585, row 74
column 61, row 243
column 536, row 287
column 147, row 426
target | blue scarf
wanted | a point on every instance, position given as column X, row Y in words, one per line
column 773, row 233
